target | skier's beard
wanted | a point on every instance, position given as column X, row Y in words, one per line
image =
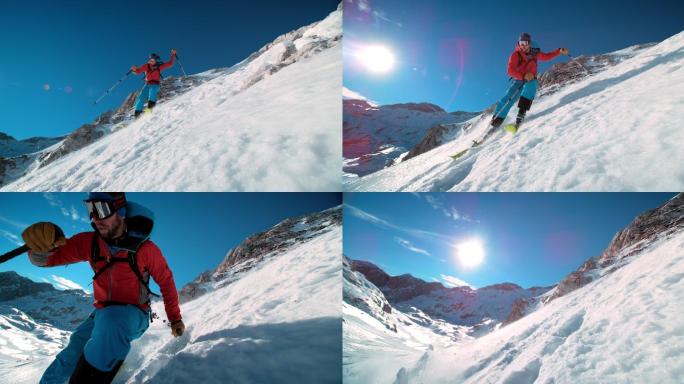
column 114, row 232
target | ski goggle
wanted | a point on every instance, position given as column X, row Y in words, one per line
column 524, row 43
column 99, row 209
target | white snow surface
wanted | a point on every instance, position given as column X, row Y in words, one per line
column 625, row 327
column 247, row 130
column 617, row 130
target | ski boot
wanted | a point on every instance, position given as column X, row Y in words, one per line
column 150, row 105
column 87, row 374
column 524, row 105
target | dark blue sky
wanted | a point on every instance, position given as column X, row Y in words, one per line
column 529, row 238
column 80, row 48
column 454, row 53
column 194, row 230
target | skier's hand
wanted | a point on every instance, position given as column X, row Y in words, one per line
column 134, row 68
column 177, row 328
column 43, row 237
column 529, row 76
column 173, row 52
column 564, row 51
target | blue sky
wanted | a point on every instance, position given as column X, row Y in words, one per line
column 454, row 53
column 80, row 48
column 531, row 239
column 194, row 230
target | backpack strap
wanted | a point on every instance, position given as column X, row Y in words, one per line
column 131, row 259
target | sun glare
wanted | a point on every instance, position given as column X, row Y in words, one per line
column 376, row 58
column 470, row 253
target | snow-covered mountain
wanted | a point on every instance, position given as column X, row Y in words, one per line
column 35, row 321
column 619, row 323
column 480, row 310
column 377, row 136
column 589, row 129
column 268, row 123
column 269, row 312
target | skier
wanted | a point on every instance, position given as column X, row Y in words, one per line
column 522, row 68
column 123, row 258
column 152, row 70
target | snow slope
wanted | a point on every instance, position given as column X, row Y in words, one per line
column 378, row 339
column 270, row 123
column 623, row 328
column 35, row 323
column 615, row 130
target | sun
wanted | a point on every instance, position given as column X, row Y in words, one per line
column 470, row 253
column 376, row 58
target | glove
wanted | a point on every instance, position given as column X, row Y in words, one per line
column 564, row 51
column 529, row 76
column 177, row 328
column 134, row 68
column 173, row 52
column 43, row 237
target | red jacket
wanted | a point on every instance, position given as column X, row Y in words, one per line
column 119, row 283
column 519, row 64
column 153, row 76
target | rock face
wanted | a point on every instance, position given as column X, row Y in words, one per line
column 438, row 134
column 255, row 248
column 642, row 231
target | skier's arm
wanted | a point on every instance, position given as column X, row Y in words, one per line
column 140, row 69
column 169, row 63
column 162, row 275
column 548, row 56
column 513, row 70
column 71, row 251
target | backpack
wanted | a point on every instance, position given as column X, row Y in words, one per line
column 139, row 224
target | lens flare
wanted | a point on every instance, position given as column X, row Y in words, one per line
column 470, row 253
column 376, row 58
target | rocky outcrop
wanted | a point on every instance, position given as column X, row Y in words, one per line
column 640, row 233
column 438, row 134
column 577, row 68
column 247, row 254
column 518, row 311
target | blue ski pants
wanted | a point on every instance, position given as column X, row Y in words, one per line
column 516, row 89
column 104, row 337
column 148, row 92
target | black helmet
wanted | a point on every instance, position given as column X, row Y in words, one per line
column 525, row 37
column 155, row 56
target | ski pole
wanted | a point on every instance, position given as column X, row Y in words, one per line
column 13, row 253
column 181, row 65
column 113, row 86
